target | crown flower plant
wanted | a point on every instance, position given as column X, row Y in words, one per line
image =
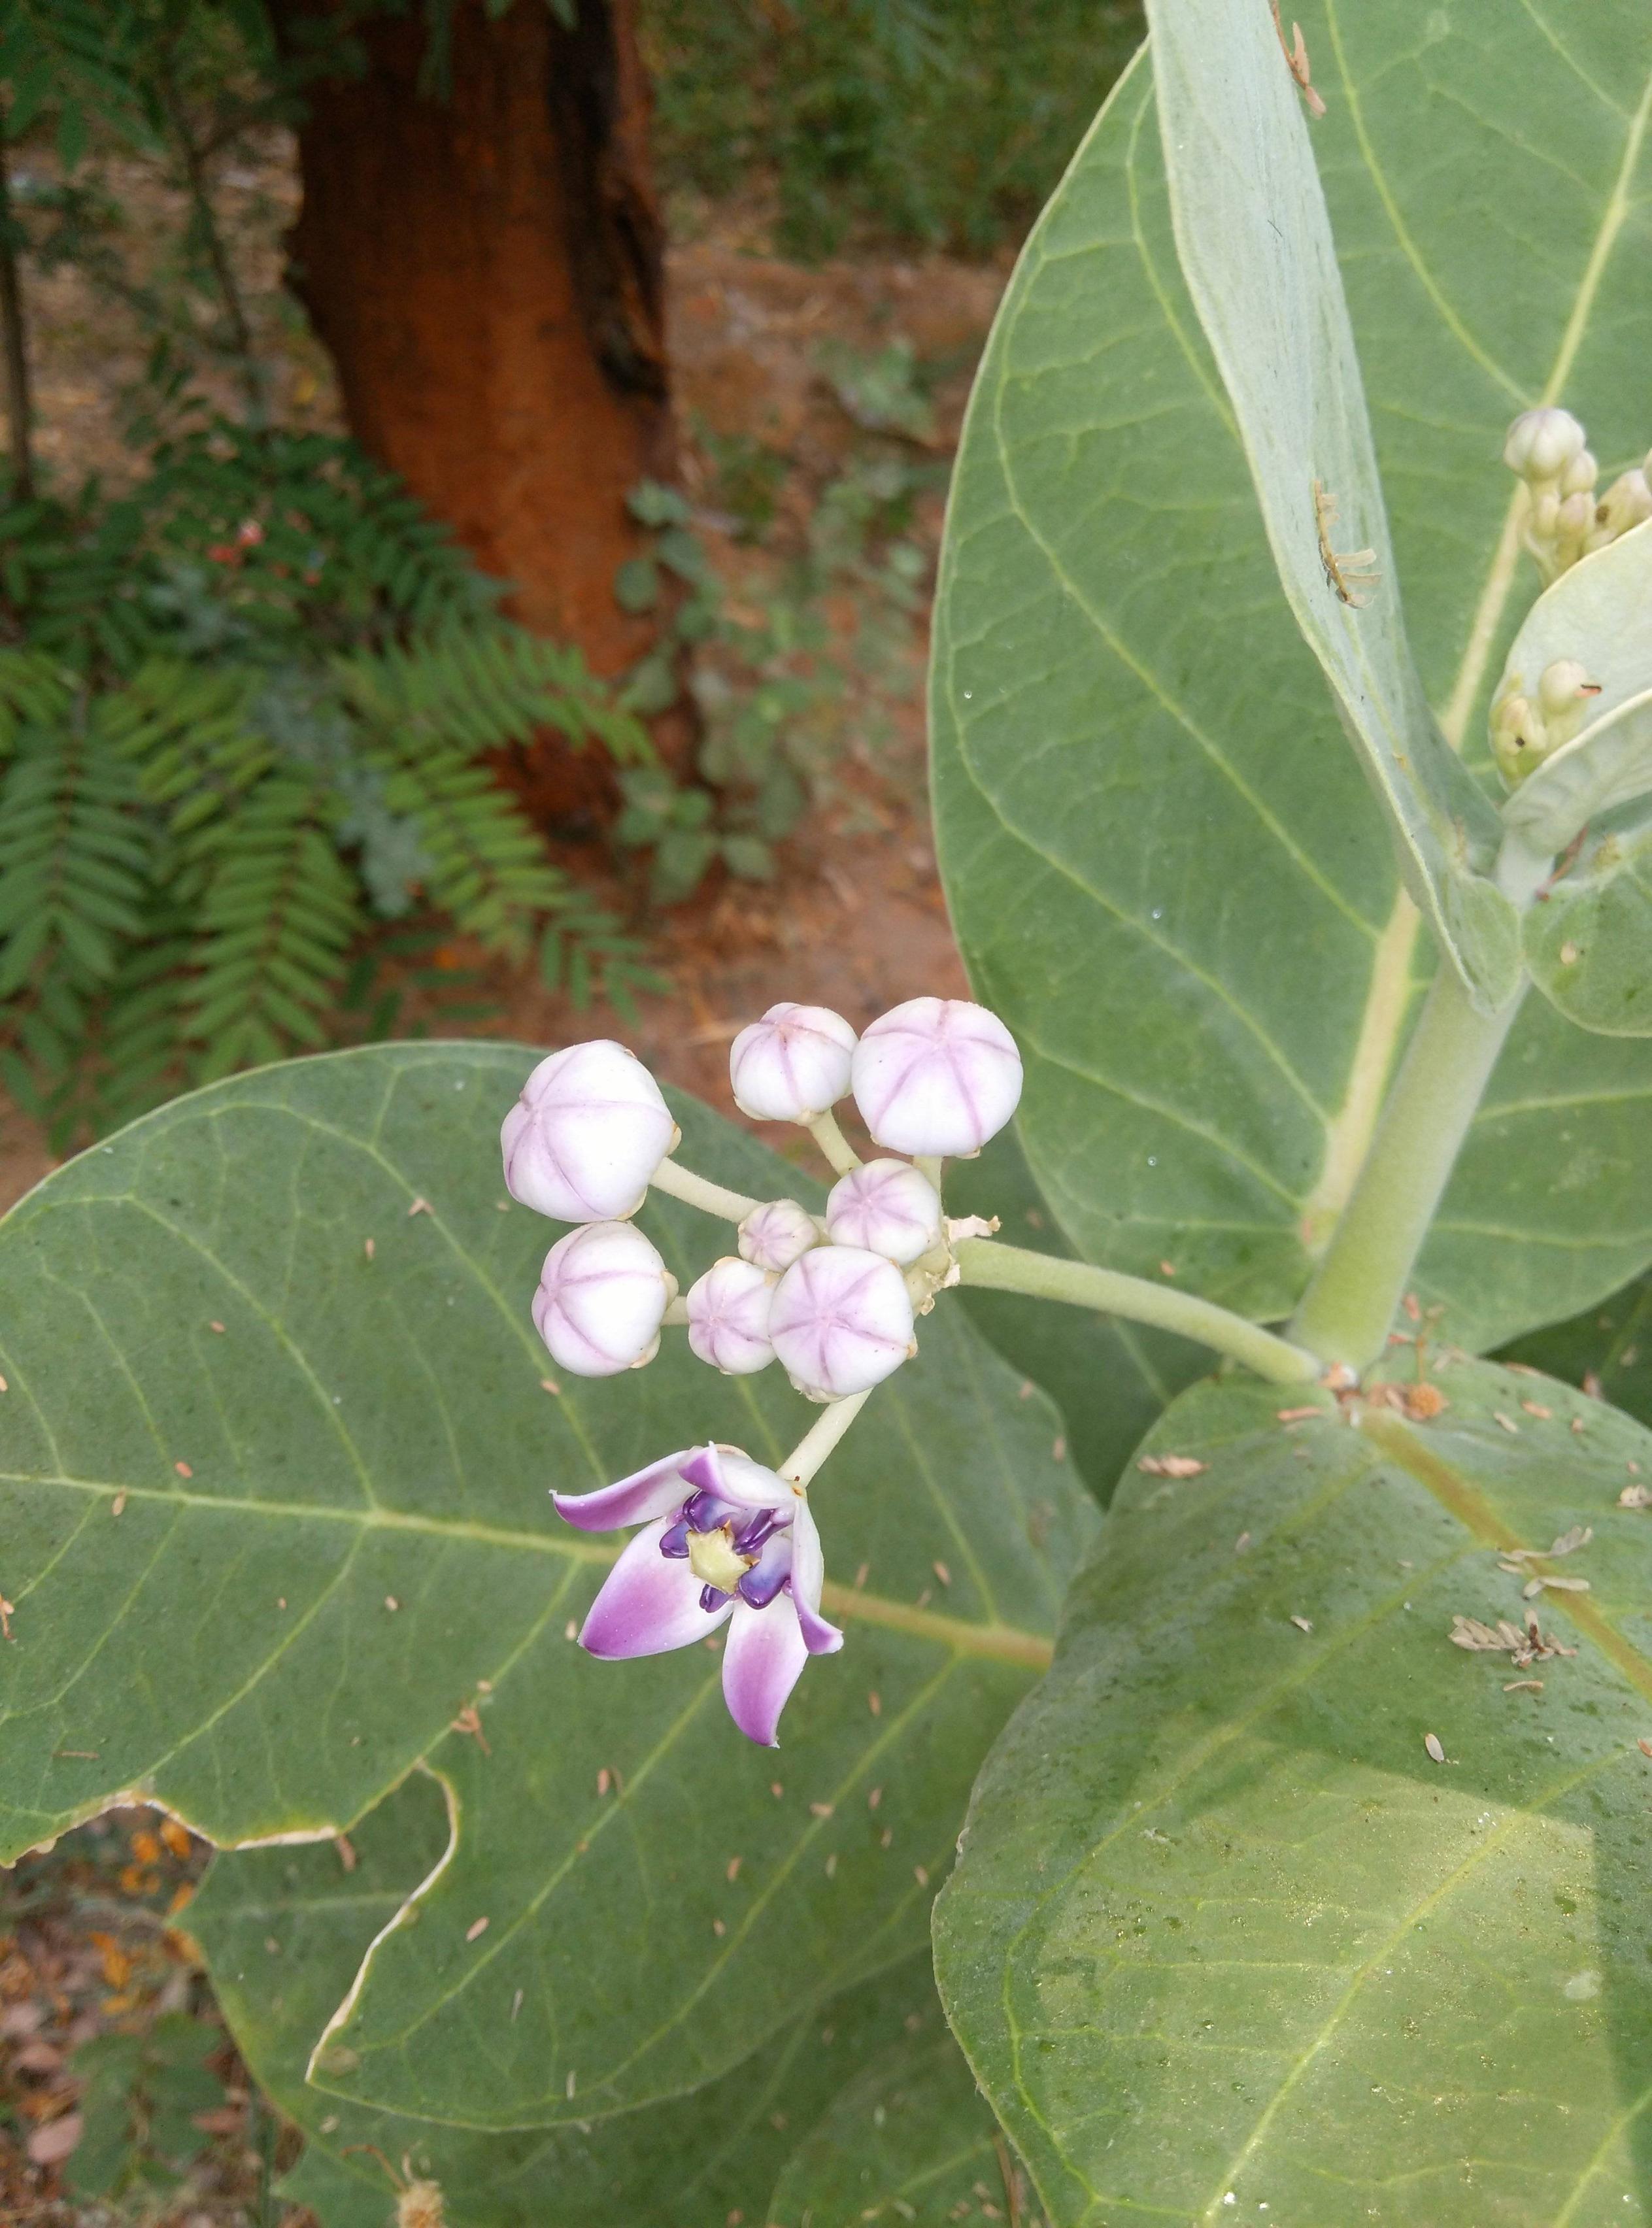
column 1062, row 1637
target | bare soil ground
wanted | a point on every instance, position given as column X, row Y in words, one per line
column 855, row 920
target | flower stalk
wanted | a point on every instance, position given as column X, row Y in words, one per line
column 822, row 1436
column 985, row 1263
column 678, row 1182
column 824, row 1129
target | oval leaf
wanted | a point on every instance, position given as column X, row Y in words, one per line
column 277, row 1447
column 1271, row 1893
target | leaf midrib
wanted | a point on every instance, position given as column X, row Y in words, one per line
column 1006, row 1643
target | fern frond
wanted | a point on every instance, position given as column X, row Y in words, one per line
column 186, row 731
column 483, row 688
column 75, row 859
column 278, row 915
column 487, row 864
column 34, row 690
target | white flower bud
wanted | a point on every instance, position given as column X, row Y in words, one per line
column 602, row 1295
column 841, row 1321
column 1627, row 503
column 728, row 1316
column 887, row 1207
column 777, row 1233
column 587, row 1134
column 1580, row 475
column 936, row 1076
column 793, row 1063
column 1564, row 689
column 1542, row 442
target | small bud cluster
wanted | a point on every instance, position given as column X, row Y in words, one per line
column 1567, row 517
column 1527, row 729
column 581, row 1145
column 831, row 1298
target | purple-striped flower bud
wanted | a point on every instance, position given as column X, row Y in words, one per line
column 937, row 1076
column 602, row 1295
column 887, row 1207
column 728, row 1316
column 841, row 1321
column 793, row 1063
column 1542, row 442
column 777, row 1233
column 587, row 1134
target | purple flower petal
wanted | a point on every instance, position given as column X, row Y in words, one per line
column 647, row 1604
column 636, row 1499
column 769, row 1572
column 808, row 1576
column 735, row 1479
column 761, row 1665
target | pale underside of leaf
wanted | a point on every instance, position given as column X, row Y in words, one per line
column 1256, row 249
column 1162, row 865
column 1346, row 1920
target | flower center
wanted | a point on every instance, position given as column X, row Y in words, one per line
column 715, row 1560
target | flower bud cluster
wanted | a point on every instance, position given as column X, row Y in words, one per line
column 1527, row 729
column 1566, row 518
column 831, row 1298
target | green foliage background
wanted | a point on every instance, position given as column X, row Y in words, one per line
column 943, row 123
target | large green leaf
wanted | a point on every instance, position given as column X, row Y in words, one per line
column 1255, row 246
column 257, row 1570
column 1270, row 1895
column 283, row 1931
column 1165, row 869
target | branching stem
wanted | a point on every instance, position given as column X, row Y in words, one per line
column 1348, row 1308
column 983, row 1261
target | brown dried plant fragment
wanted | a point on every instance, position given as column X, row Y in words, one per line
column 1296, row 54
column 1355, row 569
column 1171, row 1466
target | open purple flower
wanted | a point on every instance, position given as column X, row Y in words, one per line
column 723, row 1540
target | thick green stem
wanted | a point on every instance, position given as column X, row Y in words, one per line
column 1348, row 1308
column 984, row 1262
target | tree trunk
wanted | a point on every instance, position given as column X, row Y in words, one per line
column 483, row 258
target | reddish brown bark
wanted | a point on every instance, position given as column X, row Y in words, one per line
column 485, row 261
